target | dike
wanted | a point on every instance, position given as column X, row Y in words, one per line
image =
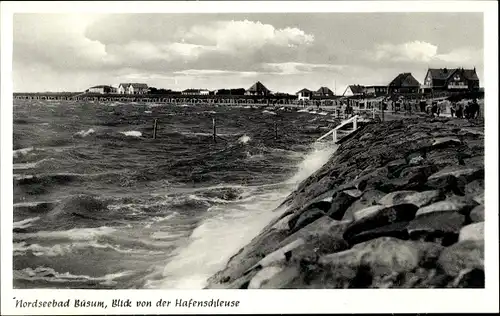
column 400, row 204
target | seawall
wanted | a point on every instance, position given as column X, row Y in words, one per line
column 400, row 204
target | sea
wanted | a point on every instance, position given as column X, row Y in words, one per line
column 100, row 204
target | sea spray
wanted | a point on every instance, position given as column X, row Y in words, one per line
column 244, row 139
column 230, row 227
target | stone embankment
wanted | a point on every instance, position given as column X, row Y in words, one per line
column 399, row 205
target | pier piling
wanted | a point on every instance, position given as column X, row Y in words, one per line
column 155, row 126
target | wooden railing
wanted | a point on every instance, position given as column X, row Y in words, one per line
column 334, row 132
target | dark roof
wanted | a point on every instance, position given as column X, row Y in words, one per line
column 258, row 87
column 101, row 86
column 445, row 73
column 324, row 91
column 303, row 90
column 192, row 90
column 135, row 85
column 355, row 88
column 405, row 80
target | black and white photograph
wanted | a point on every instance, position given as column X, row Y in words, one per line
column 249, row 150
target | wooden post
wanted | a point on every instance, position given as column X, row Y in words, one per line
column 154, row 128
column 215, row 130
column 275, row 130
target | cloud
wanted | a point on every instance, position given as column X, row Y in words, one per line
column 465, row 55
column 292, row 68
column 411, row 51
column 214, row 72
column 234, row 36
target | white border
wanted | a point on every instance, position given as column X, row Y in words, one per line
column 266, row 301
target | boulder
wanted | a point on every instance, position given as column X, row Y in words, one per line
column 448, row 183
column 369, row 198
column 305, row 218
column 418, row 278
column 282, row 279
column 394, row 198
column 473, row 231
column 454, row 204
column 469, row 278
column 380, row 217
column 341, row 201
column 464, row 255
column 396, row 230
column 469, row 174
column 443, row 142
column 477, row 214
column 479, row 198
column 437, row 226
column 384, row 255
column 263, row 276
column 367, row 212
column 418, row 199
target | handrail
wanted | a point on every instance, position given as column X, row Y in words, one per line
column 333, row 132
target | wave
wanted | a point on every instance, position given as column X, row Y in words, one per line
column 244, row 139
column 22, row 152
column 25, row 223
column 132, row 133
column 30, row 165
column 241, row 220
column 50, row 275
column 148, row 112
column 269, row 112
column 84, row 133
column 75, row 234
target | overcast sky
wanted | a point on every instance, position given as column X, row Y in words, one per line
column 286, row 52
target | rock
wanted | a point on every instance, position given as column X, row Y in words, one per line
column 366, row 212
column 383, row 255
column 448, row 183
column 418, row 199
column 394, row 198
column 282, row 224
column 263, row 276
column 324, row 235
column 341, row 201
column 469, row 174
column 305, row 218
column 417, row 278
column 464, row 255
column 395, row 167
column 396, row 230
column 473, row 231
column 443, row 142
column 474, row 187
column 477, row 214
column 469, row 278
column 441, row 226
column 369, row 198
column 381, row 217
column 282, row 279
column 479, row 198
column 455, row 204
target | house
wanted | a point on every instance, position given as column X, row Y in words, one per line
column 133, row 88
column 258, row 89
column 404, row 83
column 304, row 94
column 239, row 91
column 376, row 90
column 102, row 89
column 324, row 92
column 354, row 90
column 445, row 79
column 195, row 92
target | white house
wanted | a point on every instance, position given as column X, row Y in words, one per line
column 304, row 94
column 132, row 88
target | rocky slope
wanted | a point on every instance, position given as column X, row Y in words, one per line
column 400, row 204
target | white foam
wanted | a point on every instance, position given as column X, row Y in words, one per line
column 148, row 112
column 71, row 234
column 228, row 227
column 84, row 133
column 268, row 112
column 244, row 139
column 25, row 222
column 132, row 133
column 21, row 152
column 29, row 165
column 50, row 275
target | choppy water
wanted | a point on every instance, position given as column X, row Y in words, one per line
column 98, row 203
